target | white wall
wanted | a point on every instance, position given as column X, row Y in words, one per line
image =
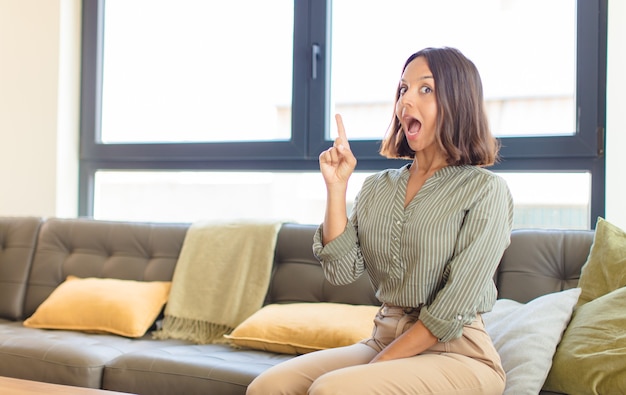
column 39, row 107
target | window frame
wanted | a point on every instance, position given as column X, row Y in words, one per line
column 582, row 151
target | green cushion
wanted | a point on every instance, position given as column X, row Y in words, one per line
column 591, row 358
column 605, row 269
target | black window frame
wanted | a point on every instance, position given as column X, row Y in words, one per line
column 582, row 151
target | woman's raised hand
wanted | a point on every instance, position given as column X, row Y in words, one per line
column 337, row 163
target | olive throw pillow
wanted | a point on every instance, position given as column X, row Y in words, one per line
column 591, row 357
column 299, row 328
column 122, row 307
column 605, row 269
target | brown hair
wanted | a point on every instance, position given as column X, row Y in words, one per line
column 462, row 125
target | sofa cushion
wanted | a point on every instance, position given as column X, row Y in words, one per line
column 122, row 307
column 526, row 337
column 592, row 354
column 106, row 249
column 605, row 268
column 64, row 357
column 294, row 259
column 542, row 261
column 298, row 328
column 18, row 237
column 189, row 370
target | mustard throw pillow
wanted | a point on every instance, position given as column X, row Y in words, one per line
column 122, row 307
column 299, row 328
column 605, row 268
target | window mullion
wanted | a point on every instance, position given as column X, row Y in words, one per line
column 318, row 81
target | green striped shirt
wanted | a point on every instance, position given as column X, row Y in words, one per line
column 440, row 251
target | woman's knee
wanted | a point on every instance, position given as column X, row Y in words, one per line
column 278, row 380
column 331, row 383
column 259, row 386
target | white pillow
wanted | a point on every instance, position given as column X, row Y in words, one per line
column 526, row 336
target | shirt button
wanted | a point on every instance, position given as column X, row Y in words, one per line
column 459, row 317
column 398, row 222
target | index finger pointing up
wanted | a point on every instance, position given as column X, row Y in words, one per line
column 341, row 130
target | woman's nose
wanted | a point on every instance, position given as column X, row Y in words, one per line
column 408, row 98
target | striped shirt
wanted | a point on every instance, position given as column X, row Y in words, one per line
column 441, row 251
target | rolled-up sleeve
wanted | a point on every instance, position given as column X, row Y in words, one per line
column 341, row 258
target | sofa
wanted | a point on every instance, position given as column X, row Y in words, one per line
column 37, row 255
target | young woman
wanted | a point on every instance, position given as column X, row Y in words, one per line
column 429, row 235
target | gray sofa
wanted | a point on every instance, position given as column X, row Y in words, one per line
column 37, row 254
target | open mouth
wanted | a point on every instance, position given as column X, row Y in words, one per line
column 412, row 126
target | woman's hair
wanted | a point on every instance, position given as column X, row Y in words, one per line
column 462, row 127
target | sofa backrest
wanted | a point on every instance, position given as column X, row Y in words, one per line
column 536, row 263
column 539, row 262
column 18, row 238
column 298, row 275
column 106, row 249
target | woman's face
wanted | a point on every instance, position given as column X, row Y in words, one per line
column 417, row 106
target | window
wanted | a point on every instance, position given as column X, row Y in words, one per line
column 556, row 199
column 192, row 116
column 188, row 83
column 529, row 74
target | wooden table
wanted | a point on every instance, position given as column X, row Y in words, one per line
column 13, row 386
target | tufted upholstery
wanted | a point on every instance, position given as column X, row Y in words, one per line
column 17, row 246
column 544, row 260
column 298, row 276
column 540, row 261
column 64, row 357
column 88, row 248
column 198, row 369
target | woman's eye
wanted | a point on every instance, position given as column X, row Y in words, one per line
column 402, row 90
column 425, row 89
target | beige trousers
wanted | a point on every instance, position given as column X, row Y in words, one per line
column 468, row 365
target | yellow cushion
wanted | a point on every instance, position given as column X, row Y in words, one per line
column 122, row 307
column 299, row 328
column 592, row 352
